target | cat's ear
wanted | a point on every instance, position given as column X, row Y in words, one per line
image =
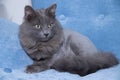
column 29, row 13
column 51, row 10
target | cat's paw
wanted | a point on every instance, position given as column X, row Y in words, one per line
column 32, row 69
column 35, row 69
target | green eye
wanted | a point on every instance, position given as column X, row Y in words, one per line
column 50, row 25
column 37, row 26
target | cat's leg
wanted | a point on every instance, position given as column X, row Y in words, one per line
column 37, row 67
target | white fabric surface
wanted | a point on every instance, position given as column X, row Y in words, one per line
column 13, row 9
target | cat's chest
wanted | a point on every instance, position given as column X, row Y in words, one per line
column 48, row 47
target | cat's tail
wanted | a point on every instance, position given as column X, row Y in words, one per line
column 101, row 60
column 87, row 64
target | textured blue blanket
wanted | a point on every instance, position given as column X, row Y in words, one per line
column 98, row 19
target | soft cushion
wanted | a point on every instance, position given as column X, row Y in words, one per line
column 11, row 53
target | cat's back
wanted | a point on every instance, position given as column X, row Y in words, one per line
column 81, row 41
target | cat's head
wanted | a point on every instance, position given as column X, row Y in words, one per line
column 42, row 24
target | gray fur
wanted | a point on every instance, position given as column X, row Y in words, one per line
column 63, row 50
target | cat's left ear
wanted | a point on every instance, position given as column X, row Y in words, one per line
column 51, row 10
column 29, row 13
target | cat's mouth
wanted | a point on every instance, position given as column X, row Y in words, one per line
column 45, row 39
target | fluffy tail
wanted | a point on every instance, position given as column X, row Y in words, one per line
column 85, row 65
column 100, row 61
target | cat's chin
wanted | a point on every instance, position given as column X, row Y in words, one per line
column 45, row 39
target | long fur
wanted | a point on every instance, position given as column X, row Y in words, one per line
column 63, row 50
column 85, row 65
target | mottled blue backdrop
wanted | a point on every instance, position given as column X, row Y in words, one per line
column 97, row 19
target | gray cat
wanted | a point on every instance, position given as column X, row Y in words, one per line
column 52, row 47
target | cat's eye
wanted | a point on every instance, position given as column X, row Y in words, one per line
column 37, row 26
column 50, row 25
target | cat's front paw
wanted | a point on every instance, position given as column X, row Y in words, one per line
column 32, row 69
column 35, row 69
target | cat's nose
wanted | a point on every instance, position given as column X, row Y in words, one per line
column 46, row 34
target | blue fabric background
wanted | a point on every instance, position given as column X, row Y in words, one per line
column 97, row 19
column 11, row 53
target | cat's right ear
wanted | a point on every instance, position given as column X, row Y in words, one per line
column 29, row 13
column 50, row 11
